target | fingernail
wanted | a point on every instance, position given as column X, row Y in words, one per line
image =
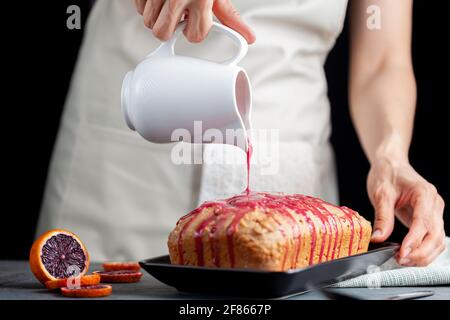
column 406, row 252
column 377, row 233
column 405, row 261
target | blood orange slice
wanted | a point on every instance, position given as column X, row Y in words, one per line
column 91, row 279
column 119, row 276
column 98, row 290
column 116, row 266
column 58, row 254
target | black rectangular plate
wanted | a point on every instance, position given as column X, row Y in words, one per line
column 265, row 284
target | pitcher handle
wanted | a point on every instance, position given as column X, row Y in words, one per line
column 167, row 48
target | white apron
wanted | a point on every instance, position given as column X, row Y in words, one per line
column 121, row 194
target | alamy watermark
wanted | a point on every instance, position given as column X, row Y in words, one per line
column 373, row 277
column 373, row 22
column 74, row 280
column 265, row 145
column 74, row 19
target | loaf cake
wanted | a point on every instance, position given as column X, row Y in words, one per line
column 265, row 231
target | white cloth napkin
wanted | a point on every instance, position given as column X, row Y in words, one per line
column 391, row 274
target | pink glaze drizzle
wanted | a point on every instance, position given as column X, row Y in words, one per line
column 286, row 246
column 249, row 158
column 349, row 215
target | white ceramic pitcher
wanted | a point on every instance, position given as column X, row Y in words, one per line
column 167, row 92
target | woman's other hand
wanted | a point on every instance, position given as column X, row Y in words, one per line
column 397, row 190
column 163, row 16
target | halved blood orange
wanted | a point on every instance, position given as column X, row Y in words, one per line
column 90, row 279
column 58, row 254
column 116, row 266
column 119, row 276
column 98, row 290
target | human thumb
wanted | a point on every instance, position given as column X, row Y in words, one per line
column 384, row 218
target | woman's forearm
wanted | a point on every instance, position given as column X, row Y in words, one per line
column 382, row 102
column 382, row 105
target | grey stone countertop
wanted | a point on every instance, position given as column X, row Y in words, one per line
column 17, row 282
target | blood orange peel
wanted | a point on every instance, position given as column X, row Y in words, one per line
column 92, row 291
column 117, row 266
column 91, row 279
column 119, row 276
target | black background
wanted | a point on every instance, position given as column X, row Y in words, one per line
column 40, row 56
